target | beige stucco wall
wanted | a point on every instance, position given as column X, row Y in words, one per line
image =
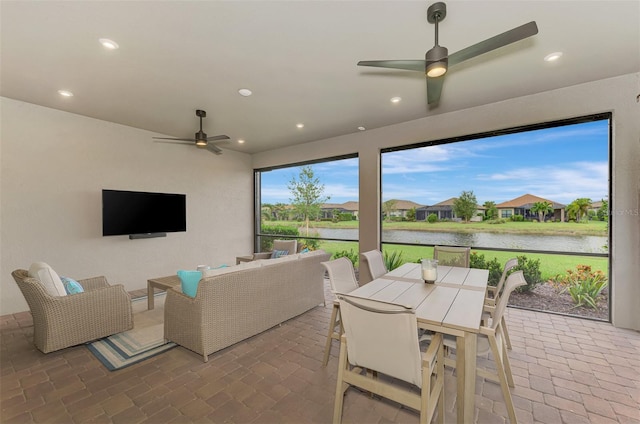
column 53, row 167
column 616, row 95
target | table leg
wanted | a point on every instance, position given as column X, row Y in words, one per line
column 150, row 298
column 466, row 350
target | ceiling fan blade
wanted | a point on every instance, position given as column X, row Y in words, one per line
column 175, row 139
column 409, row 65
column 213, row 149
column 434, row 88
column 500, row 40
column 218, row 137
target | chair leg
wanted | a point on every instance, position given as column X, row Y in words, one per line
column 507, row 340
column 504, row 385
column 341, row 387
column 330, row 337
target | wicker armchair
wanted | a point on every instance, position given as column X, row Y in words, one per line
column 291, row 246
column 63, row 321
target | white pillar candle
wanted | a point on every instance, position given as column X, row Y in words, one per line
column 429, row 274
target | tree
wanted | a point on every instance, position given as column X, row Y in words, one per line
column 579, row 208
column 466, row 205
column 387, row 208
column 266, row 212
column 603, row 212
column 280, row 211
column 542, row 208
column 411, row 214
column 491, row 212
column 307, row 194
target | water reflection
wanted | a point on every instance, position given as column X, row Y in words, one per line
column 559, row 243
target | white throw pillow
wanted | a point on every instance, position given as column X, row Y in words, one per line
column 48, row 277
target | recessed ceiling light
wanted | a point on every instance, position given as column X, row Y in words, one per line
column 241, row 141
column 361, row 128
column 65, row 93
column 109, row 44
column 552, row 57
column 396, row 99
column 300, row 125
column 245, row 92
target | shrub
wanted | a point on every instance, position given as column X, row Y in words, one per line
column 345, row 217
column 494, row 267
column 517, row 218
column 432, row 218
column 349, row 254
column 583, row 284
column 393, row 260
column 497, row 221
column 531, row 272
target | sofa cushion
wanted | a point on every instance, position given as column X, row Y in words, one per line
column 71, row 286
column 228, row 269
column 48, row 277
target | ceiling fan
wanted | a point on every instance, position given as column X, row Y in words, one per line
column 438, row 60
column 201, row 140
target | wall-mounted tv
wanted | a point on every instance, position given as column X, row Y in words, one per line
column 142, row 214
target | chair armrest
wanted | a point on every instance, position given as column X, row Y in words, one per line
column 99, row 298
column 84, row 313
column 94, row 283
column 432, row 351
column 261, row 255
column 492, row 289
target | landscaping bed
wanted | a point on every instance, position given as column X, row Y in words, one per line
column 545, row 298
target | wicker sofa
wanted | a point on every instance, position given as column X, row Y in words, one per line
column 245, row 300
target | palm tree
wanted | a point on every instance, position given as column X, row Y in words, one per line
column 579, row 208
column 541, row 208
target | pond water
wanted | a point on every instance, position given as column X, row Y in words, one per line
column 560, row 243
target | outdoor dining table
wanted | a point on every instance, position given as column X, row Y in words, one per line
column 452, row 305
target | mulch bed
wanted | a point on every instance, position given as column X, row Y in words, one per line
column 545, row 298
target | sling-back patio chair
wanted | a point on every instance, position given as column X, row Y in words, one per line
column 452, row 256
column 376, row 360
column 342, row 279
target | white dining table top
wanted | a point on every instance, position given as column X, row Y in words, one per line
column 455, row 301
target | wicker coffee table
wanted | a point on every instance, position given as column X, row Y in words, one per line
column 161, row 283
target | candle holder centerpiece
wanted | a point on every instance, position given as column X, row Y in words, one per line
column 429, row 270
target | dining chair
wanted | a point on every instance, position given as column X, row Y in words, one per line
column 374, row 264
column 494, row 293
column 391, row 350
column 452, row 256
column 491, row 340
column 342, row 279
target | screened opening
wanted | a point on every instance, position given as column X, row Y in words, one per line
column 540, row 193
column 316, row 203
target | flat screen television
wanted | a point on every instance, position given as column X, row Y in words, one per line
column 142, row 214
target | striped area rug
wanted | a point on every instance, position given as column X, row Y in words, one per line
column 144, row 341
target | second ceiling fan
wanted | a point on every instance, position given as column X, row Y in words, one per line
column 438, row 60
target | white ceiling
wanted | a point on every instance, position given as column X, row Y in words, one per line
column 299, row 59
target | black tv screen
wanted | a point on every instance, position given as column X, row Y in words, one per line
column 135, row 212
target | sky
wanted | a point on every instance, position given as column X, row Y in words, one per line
column 560, row 164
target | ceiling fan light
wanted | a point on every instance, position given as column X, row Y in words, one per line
column 436, row 69
column 437, row 61
column 201, row 143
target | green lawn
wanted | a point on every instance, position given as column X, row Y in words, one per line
column 550, row 265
